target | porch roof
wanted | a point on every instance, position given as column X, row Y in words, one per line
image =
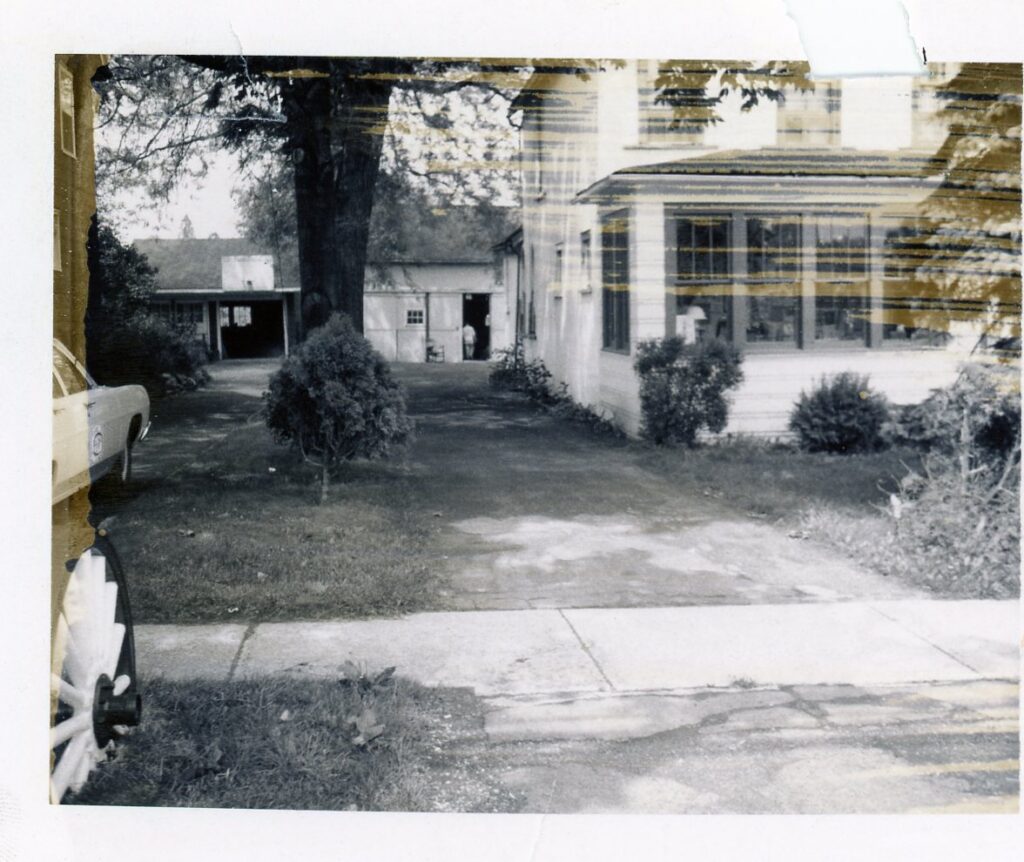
column 777, row 175
column 790, row 162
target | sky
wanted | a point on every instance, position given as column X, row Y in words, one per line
column 208, row 204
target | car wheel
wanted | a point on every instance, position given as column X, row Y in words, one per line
column 96, row 692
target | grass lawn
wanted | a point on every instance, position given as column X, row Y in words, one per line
column 843, row 501
column 239, row 533
column 779, row 483
column 289, row 743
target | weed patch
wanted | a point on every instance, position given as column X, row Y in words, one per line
column 292, row 743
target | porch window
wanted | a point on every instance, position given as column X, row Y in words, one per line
column 702, row 276
column 842, row 301
column 913, row 312
column 615, row 281
column 773, row 287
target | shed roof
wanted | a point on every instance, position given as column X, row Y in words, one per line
column 195, row 264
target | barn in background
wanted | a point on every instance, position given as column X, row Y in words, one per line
column 425, row 283
column 416, row 311
column 241, row 299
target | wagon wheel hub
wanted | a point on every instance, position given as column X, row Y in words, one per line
column 113, row 707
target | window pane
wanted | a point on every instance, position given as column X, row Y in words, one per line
column 912, row 311
column 720, row 247
column 773, row 265
column 67, row 111
column 773, row 318
column 842, row 292
column 615, row 282
column 702, row 280
column 839, row 317
column 773, row 247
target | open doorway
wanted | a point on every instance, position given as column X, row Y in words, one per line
column 476, row 312
column 251, row 329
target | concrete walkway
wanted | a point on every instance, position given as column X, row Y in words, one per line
column 617, row 649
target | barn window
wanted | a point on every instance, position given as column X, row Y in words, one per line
column 414, row 317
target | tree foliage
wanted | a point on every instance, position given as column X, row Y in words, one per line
column 956, row 256
column 127, row 343
column 694, row 89
column 121, row 280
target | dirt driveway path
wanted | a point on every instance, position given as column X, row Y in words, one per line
column 539, row 512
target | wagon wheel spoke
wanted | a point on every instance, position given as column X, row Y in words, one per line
column 94, row 690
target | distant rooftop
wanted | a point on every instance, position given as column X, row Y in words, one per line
column 195, row 264
column 451, row 235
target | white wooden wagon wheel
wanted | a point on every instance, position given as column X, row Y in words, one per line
column 97, row 697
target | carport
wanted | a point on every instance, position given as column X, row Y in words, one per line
column 252, row 328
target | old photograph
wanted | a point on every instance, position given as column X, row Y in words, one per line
column 521, row 435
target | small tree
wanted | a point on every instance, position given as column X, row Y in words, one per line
column 334, row 399
column 682, row 388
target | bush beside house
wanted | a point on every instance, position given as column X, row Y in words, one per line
column 513, row 373
column 334, row 399
column 953, row 523
column 841, row 415
column 682, row 388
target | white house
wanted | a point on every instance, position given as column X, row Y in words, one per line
column 787, row 229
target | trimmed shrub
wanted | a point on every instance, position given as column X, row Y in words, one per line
column 682, row 388
column 334, row 399
column 840, row 415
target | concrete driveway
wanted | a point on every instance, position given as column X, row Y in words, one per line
column 540, row 513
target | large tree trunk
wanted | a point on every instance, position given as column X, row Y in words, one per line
column 307, row 103
column 337, row 124
column 359, row 120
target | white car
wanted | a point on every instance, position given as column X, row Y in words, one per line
column 94, row 427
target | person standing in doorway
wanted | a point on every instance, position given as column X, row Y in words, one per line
column 468, row 341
